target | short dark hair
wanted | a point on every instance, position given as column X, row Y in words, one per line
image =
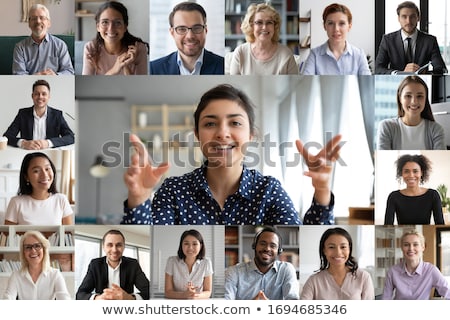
column 409, row 5
column 351, row 261
column 199, row 237
column 24, row 186
column 426, row 113
column 226, row 92
column 41, row 82
column 421, row 160
column 336, row 7
column 113, row 231
column 187, row 6
column 271, row 229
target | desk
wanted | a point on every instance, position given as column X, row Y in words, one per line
column 361, row 215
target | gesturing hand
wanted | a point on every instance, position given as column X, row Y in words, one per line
column 141, row 177
column 320, row 167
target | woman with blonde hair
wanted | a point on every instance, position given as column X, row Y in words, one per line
column 262, row 54
column 412, row 278
column 36, row 279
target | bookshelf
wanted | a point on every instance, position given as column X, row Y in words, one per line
column 388, row 251
column 234, row 14
column 61, row 251
column 85, row 9
column 239, row 239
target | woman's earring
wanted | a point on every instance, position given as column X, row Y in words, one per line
column 28, row 183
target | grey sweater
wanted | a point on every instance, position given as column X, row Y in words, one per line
column 389, row 135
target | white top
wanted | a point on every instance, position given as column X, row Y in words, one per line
column 49, row 286
column 178, row 269
column 244, row 62
column 25, row 210
column 322, row 286
column 413, row 137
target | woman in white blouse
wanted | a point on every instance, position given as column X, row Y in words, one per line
column 189, row 274
column 36, row 279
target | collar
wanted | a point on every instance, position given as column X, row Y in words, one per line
column 419, row 269
column 325, row 49
column 198, row 64
column 109, row 266
column 412, row 36
column 43, row 40
column 43, row 116
column 199, row 182
column 253, row 267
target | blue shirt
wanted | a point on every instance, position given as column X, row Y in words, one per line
column 198, row 65
column 31, row 57
column 321, row 61
column 243, row 281
column 259, row 200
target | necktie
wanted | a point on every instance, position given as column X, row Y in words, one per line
column 409, row 53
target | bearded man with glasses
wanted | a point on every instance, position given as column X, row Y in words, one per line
column 188, row 29
column 41, row 53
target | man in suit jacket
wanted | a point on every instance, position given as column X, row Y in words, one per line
column 113, row 277
column 188, row 29
column 40, row 126
column 393, row 50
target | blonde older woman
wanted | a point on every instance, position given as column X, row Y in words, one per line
column 36, row 280
column 262, row 54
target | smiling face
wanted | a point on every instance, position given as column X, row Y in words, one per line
column 111, row 26
column 223, row 133
column 336, row 250
column 39, row 23
column 40, row 174
column 113, row 246
column 33, row 251
column 412, row 99
column 337, row 26
column 191, row 246
column 266, row 249
column 40, row 96
column 190, row 44
column 263, row 26
column 411, row 174
column 408, row 19
column 412, row 248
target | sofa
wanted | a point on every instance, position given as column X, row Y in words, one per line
column 7, row 44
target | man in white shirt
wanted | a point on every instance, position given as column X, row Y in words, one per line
column 39, row 126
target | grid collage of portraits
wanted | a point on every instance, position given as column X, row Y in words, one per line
column 232, row 150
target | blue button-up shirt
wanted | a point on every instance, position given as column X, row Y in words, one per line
column 243, row 281
column 198, row 65
column 259, row 200
column 31, row 57
column 321, row 61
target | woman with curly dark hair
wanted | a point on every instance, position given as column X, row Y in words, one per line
column 339, row 277
column 114, row 50
column 415, row 203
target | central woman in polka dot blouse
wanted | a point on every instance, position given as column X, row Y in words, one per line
column 223, row 190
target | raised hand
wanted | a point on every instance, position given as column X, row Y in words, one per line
column 320, row 167
column 141, row 177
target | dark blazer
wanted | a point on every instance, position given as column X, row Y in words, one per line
column 391, row 53
column 96, row 278
column 212, row 64
column 58, row 130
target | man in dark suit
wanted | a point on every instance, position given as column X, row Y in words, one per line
column 113, row 277
column 40, row 126
column 408, row 49
column 188, row 29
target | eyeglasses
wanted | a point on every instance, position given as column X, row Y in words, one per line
column 115, row 23
column 36, row 18
column 260, row 23
column 197, row 29
column 35, row 246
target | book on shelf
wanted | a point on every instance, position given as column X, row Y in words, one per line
column 231, row 257
column 3, row 239
column 62, row 261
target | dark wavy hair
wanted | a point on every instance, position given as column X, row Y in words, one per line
column 351, row 263
column 199, row 237
column 127, row 40
column 226, row 92
column 422, row 161
column 426, row 113
column 24, row 186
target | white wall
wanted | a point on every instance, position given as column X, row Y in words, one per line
column 62, row 16
column 361, row 35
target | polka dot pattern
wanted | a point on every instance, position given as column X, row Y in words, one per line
column 260, row 200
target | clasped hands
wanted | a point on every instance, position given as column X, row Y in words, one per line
column 114, row 293
column 34, row 144
column 124, row 61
